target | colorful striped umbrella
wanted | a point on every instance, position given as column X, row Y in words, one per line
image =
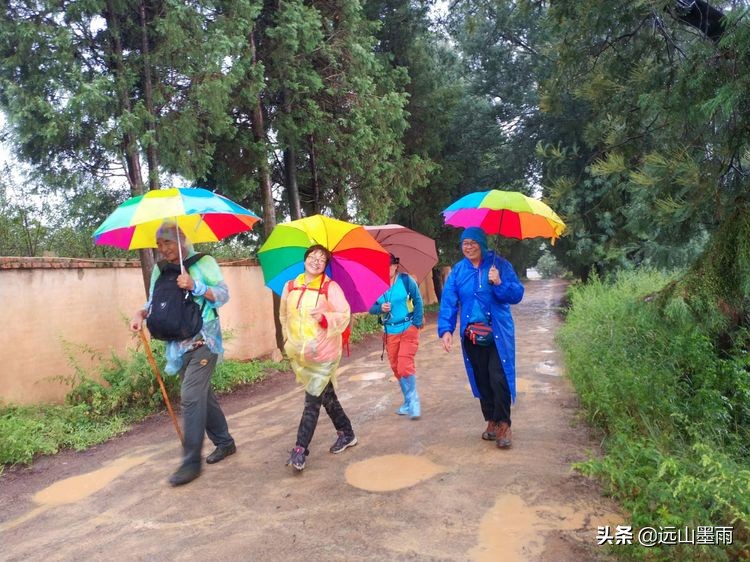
column 507, row 213
column 359, row 264
column 202, row 215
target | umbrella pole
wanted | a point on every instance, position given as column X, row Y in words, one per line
column 161, row 385
column 179, row 244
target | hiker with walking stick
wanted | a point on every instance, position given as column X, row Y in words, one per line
column 186, row 289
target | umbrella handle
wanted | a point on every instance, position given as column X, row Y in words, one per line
column 161, row 385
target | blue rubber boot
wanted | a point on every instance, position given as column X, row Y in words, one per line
column 415, row 409
column 404, row 409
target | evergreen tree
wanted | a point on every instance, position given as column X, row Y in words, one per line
column 90, row 87
column 669, row 124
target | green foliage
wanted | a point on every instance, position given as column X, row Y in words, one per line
column 129, row 384
column 230, row 374
column 28, row 431
column 362, row 325
column 674, row 409
column 662, row 134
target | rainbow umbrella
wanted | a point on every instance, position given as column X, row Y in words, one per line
column 359, row 264
column 507, row 213
column 202, row 215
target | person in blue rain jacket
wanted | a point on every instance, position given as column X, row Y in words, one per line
column 482, row 286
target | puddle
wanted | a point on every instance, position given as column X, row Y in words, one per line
column 371, row 376
column 546, row 351
column 513, row 531
column 390, row 472
column 540, row 329
column 548, row 368
column 78, row 487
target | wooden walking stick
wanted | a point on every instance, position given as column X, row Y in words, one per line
column 161, row 384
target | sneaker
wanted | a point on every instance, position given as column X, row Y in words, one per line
column 489, row 433
column 504, row 436
column 297, row 458
column 343, row 442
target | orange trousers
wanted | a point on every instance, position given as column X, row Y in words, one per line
column 401, row 350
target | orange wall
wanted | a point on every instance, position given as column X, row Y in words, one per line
column 55, row 309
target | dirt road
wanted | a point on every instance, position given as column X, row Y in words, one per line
column 411, row 490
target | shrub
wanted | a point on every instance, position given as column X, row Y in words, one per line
column 675, row 411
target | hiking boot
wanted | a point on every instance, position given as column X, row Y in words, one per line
column 184, row 474
column 343, row 442
column 220, row 453
column 504, row 435
column 489, row 433
column 297, row 458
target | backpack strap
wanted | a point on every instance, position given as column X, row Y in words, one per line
column 324, row 288
column 406, row 280
column 188, row 263
column 192, row 260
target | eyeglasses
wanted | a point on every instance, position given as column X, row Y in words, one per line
column 313, row 259
column 469, row 243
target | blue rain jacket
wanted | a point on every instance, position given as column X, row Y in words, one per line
column 464, row 284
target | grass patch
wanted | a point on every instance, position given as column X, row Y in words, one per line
column 674, row 411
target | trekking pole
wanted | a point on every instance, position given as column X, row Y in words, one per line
column 161, row 385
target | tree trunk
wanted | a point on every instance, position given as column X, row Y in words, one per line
column 129, row 144
column 269, row 210
column 314, row 203
column 290, row 165
column 292, row 190
column 717, row 286
column 148, row 93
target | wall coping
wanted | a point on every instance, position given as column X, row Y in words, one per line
column 12, row 262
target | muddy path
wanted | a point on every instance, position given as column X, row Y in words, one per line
column 411, row 490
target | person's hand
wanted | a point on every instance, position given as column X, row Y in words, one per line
column 385, row 307
column 184, row 281
column 136, row 322
column 447, row 340
column 494, row 276
column 317, row 312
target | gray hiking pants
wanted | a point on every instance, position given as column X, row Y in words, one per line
column 201, row 412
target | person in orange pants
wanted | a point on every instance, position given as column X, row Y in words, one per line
column 402, row 316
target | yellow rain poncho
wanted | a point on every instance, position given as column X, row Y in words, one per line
column 313, row 350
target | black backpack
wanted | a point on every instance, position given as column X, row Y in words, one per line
column 173, row 315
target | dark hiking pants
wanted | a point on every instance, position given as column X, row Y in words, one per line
column 310, row 414
column 494, row 392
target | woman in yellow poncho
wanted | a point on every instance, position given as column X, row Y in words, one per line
column 313, row 314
